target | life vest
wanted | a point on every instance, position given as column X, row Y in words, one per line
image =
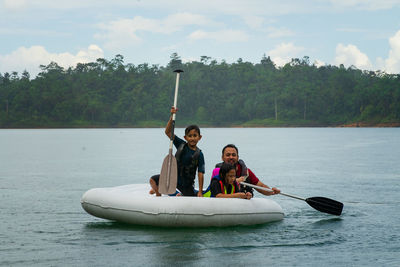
column 242, row 166
column 243, row 172
column 187, row 172
column 223, row 187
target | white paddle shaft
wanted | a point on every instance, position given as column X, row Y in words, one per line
column 174, row 115
column 269, row 190
column 176, row 94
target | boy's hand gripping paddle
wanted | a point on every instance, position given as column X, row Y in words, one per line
column 169, row 170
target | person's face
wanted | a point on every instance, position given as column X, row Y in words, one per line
column 230, row 176
column 230, row 156
column 192, row 138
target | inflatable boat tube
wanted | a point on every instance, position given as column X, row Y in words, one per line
column 133, row 204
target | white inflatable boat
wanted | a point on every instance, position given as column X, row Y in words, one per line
column 133, row 204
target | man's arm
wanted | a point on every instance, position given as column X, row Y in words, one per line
column 235, row 195
column 254, row 180
column 267, row 193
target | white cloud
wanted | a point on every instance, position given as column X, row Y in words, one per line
column 273, row 32
column 284, row 53
column 189, row 59
column 258, row 22
column 392, row 63
column 223, row 36
column 65, row 5
column 177, row 22
column 319, row 63
column 352, row 30
column 351, row 55
column 125, row 32
column 170, row 48
column 219, row 7
column 245, row 8
column 366, row 4
column 14, row 4
column 31, row 58
column 254, row 22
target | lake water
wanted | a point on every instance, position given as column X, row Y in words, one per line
column 43, row 174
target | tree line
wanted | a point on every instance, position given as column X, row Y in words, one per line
column 110, row 93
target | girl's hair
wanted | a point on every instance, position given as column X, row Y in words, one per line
column 225, row 168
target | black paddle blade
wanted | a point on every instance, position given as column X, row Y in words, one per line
column 326, row 205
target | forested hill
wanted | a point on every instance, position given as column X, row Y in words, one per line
column 114, row 94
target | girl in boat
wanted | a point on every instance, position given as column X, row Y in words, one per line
column 224, row 184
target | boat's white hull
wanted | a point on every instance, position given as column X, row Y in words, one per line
column 133, row 204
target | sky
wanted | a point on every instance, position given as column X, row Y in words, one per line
column 360, row 33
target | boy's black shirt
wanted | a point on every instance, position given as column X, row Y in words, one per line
column 187, row 183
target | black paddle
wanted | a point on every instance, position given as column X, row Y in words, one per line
column 322, row 204
column 169, row 170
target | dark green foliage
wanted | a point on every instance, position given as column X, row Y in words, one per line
column 111, row 94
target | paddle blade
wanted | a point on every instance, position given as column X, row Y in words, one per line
column 168, row 176
column 326, row 205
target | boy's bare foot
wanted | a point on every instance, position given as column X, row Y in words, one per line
column 152, row 192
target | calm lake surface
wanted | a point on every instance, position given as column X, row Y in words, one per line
column 43, row 174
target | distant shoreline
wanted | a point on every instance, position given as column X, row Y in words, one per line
column 372, row 125
column 348, row 125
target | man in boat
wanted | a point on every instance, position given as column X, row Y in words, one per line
column 230, row 154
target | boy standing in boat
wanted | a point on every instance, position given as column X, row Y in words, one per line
column 189, row 160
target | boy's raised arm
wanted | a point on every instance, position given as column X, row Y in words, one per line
column 168, row 128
